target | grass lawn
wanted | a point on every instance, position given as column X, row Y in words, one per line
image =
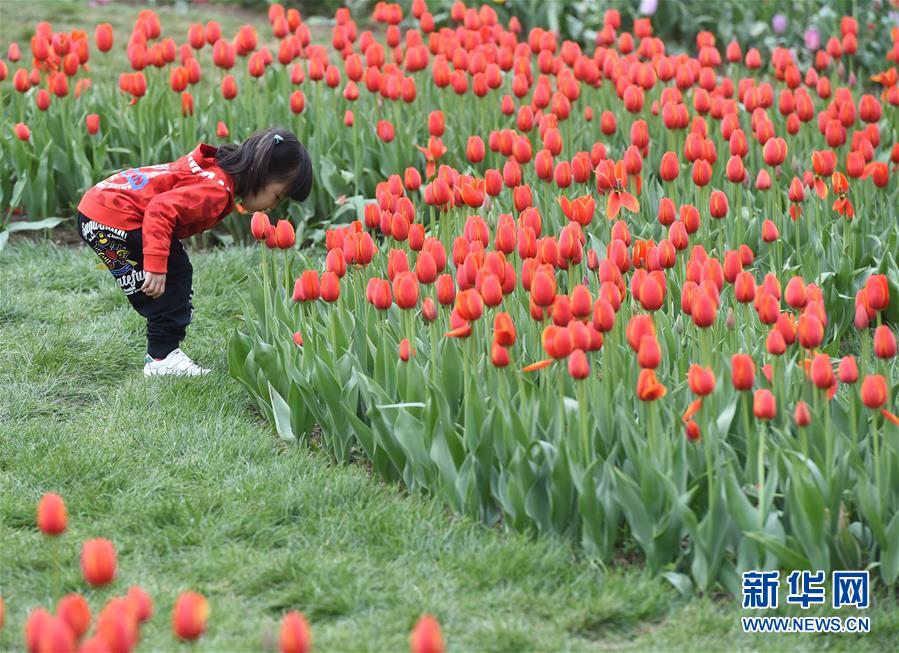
column 197, row 493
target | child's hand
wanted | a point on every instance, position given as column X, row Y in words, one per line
column 154, row 285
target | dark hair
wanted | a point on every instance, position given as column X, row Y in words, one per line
column 273, row 154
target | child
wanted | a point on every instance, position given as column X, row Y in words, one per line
column 133, row 219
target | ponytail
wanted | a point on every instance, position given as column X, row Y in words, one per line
column 273, row 154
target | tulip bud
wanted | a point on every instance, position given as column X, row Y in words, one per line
column 52, row 516
column 98, row 562
column 189, row 616
column 874, row 391
column 884, row 342
column 764, row 405
column 801, row 414
column 848, row 370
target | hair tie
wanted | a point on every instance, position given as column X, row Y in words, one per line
column 278, row 138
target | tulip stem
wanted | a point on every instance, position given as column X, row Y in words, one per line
column 828, row 440
column 761, row 475
column 747, row 436
column 580, row 388
column 875, row 434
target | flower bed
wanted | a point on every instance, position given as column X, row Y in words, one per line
column 653, row 309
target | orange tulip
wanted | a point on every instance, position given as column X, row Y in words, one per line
column 499, row 355
column 848, row 370
column 189, row 616
column 52, row 516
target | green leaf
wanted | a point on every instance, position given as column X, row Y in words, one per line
column 46, row 223
column 789, row 558
column 281, row 412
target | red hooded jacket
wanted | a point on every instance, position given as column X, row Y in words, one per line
column 167, row 200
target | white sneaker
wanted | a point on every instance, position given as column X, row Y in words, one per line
column 177, row 363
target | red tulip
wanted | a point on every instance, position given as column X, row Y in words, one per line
column 578, row 365
column 874, row 391
column 884, row 342
column 821, row 372
column 436, row 123
column 56, row 637
column 229, row 89
column 307, row 287
column 296, row 636
column 649, row 354
column 34, row 628
column 848, row 370
column 742, row 372
column 189, row 616
column 330, row 286
column 801, row 414
column 98, row 562
column 297, row 102
column 22, row 131
column 475, row 150
column 878, row 292
column 221, row 130
column 701, row 380
column 52, row 516
column 103, row 37
column 669, row 168
column 187, row 104
column 648, row 386
column 499, row 355
column 385, row 131
column 92, row 123
column 141, row 603
column 718, row 204
column 285, row 234
column 259, row 225
column 405, row 290
column 75, row 612
column 810, row 330
column 426, row 636
column 764, row 405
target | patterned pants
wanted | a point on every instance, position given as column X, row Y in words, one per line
column 121, row 252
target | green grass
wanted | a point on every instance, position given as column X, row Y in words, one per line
column 197, row 493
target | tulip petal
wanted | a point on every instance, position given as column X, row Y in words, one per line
column 539, row 365
column 612, row 205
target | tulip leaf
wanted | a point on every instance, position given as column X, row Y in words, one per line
column 281, row 413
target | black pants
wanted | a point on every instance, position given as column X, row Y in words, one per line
column 121, row 252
